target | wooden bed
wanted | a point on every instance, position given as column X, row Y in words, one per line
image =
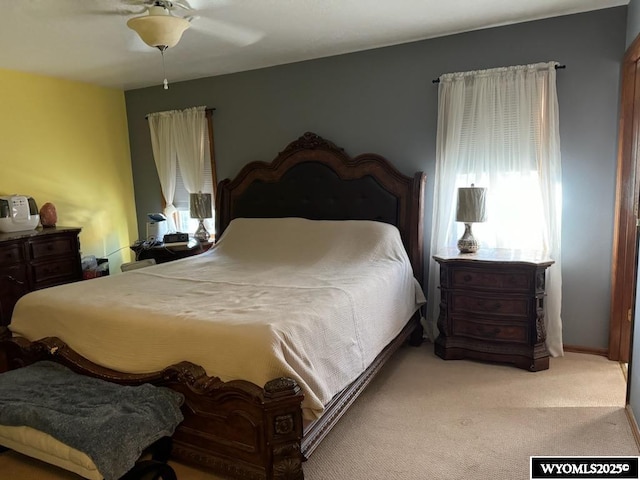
column 236, row 428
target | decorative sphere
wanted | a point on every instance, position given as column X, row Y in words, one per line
column 48, row 215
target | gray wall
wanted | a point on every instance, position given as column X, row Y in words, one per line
column 383, row 101
column 633, row 21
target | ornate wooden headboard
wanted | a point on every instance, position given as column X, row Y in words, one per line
column 313, row 178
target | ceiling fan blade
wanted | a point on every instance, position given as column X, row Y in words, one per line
column 119, row 11
column 184, row 4
column 137, row 3
column 197, row 5
column 188, row 5
column 235, row 34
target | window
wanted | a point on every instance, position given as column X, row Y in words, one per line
column 182, row 143
column 184, row 222
column 498, row 129
column 516, row 210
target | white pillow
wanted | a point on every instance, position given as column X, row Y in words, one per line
column 307, row 242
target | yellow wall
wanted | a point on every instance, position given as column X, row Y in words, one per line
column 67, row 143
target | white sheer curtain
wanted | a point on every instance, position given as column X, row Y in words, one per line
column 164, row 155
column 180, row 145
column 189, row 129
column 498, row 129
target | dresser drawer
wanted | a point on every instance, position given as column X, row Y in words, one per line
column 13, row 285
column 54, row 272
column 15, row 274
column 11, row 253
column 53, row 246
column 491, row 280
column 512, row 307
column 491, row 331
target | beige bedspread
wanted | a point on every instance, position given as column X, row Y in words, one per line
column 312, row 300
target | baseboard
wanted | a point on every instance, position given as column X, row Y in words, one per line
column 633, row 424
column 593, row 351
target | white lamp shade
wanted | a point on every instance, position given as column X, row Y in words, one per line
column 471, row 205
column 159, row 30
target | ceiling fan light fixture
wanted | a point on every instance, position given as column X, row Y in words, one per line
column 159, row 29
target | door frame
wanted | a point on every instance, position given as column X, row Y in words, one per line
column 625, row 240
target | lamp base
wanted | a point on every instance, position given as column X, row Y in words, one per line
column 201, row 233
column 467, row 243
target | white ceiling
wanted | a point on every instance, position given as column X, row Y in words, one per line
column 88, row 40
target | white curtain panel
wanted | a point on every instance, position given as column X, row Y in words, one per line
column 498, row 129
column 189, row 130
column 164, row 155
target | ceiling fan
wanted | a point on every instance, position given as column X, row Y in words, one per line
column 160, row 24
column 159, row 28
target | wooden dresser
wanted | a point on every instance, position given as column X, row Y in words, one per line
column 35, row 259
column 492, row 307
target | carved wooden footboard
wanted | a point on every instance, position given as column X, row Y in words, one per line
column 234, row 428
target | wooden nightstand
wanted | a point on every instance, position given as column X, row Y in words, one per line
column 491, row 307
column 167, row 253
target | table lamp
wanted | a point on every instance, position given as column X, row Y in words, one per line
column 471, row 209
column 200, row 208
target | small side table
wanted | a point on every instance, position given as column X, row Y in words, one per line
column 167, row 253
column 492, row 307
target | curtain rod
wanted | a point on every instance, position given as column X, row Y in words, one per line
column 558, row 67
column 206, row 110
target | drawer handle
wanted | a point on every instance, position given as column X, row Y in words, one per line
column 15, row 280
column 467, row 278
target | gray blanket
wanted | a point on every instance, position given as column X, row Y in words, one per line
column 111, row 423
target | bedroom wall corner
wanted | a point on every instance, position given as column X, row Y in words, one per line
column 67, row 143
column 633, row 21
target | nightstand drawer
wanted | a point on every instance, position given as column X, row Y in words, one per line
column 54, row 272
column 57, row 246
column 491, row 331
column 11, row 253
column 491, row 280
column 490, row 305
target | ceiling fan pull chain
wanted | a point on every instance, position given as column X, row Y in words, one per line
column 164, row 71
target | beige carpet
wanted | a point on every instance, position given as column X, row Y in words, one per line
column 426, row 418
